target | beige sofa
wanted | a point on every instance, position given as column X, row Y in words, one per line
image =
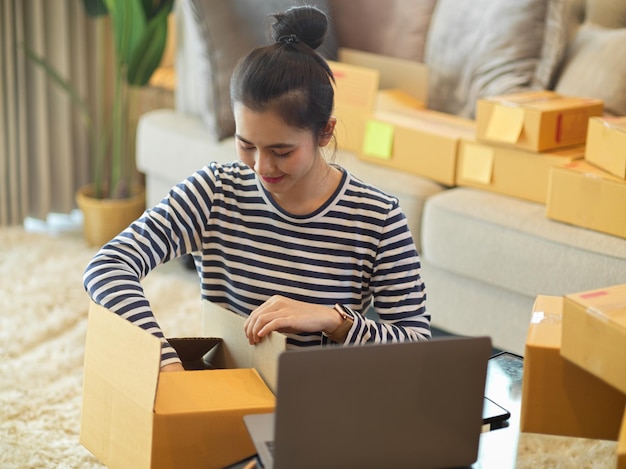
column 485, row 256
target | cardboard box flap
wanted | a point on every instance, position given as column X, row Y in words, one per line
column 615, row 123
column 212, row 391
column 607, row 303
column 547, row 313
column 236, row 351
column 122, row 364
column 196, row 353
column 109, row 343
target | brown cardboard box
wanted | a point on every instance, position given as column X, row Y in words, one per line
column 351, row 120
column 559, row 397
column 606, row 144
column 583, row 195
column 364, row 81
column 135, row 417
column 511, row 171
column 395, row 73
column 594, row 333
column 355, row 86
column 418, row 141
column 535, row 120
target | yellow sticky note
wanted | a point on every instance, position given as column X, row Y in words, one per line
column 477, row 164
column 378, row 140
column 506, row 124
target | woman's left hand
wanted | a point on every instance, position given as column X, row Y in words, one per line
column 285, row 315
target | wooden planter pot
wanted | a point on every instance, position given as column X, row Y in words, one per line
column 105, row 218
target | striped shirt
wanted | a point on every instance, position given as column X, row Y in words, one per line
column 355, row 250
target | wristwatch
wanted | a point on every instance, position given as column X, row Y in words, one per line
column 339, row 335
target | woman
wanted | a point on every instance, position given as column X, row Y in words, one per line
column 295, row 243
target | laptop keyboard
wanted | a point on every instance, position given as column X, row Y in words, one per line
column 270, row 447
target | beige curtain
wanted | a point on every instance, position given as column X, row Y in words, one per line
column 43, row 143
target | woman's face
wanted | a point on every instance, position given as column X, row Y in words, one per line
column 287, row 160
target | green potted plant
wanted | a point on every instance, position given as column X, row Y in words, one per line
column 139, row 32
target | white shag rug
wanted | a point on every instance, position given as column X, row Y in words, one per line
column 43, row 321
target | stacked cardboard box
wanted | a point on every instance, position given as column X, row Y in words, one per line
column 381, row 116
column 135, row 417
column 520, row 137
column 558, row 396
column 574, row 380
column 592, row 193
column 511, row 171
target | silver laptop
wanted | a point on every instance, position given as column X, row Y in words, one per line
column 416, row 404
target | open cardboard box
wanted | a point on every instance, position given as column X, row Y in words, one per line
column 136, row 417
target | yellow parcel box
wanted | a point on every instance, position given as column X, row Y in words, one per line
column 594, row 333
column 419, row 141
column 535, row 120
column 365, row 82
column 511, row 171
column 558, row 397
column 606, row 144
column 135, row 417
column 584, row 195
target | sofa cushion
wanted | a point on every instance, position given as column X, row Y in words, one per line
column 396, row 28
column 594, row 67
column 473, row 49
column 218, row 34
column 509, row 243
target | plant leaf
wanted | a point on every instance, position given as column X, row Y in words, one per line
column 129, row 22
column 147, row 56
column 95, row 8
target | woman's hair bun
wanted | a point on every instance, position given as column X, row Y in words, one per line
column 306, row 22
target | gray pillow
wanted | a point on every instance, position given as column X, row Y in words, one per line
column 226, row 31
column 595, row 67
column 478, row 48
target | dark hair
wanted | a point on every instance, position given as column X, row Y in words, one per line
column 289, row 76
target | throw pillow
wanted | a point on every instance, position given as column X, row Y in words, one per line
column 224, row 31
column 395, row 28
column 482, row 48
column 594, row 67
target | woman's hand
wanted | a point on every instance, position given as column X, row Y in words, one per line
column 285, row 315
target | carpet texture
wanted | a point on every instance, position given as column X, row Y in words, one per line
column 43, row 321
